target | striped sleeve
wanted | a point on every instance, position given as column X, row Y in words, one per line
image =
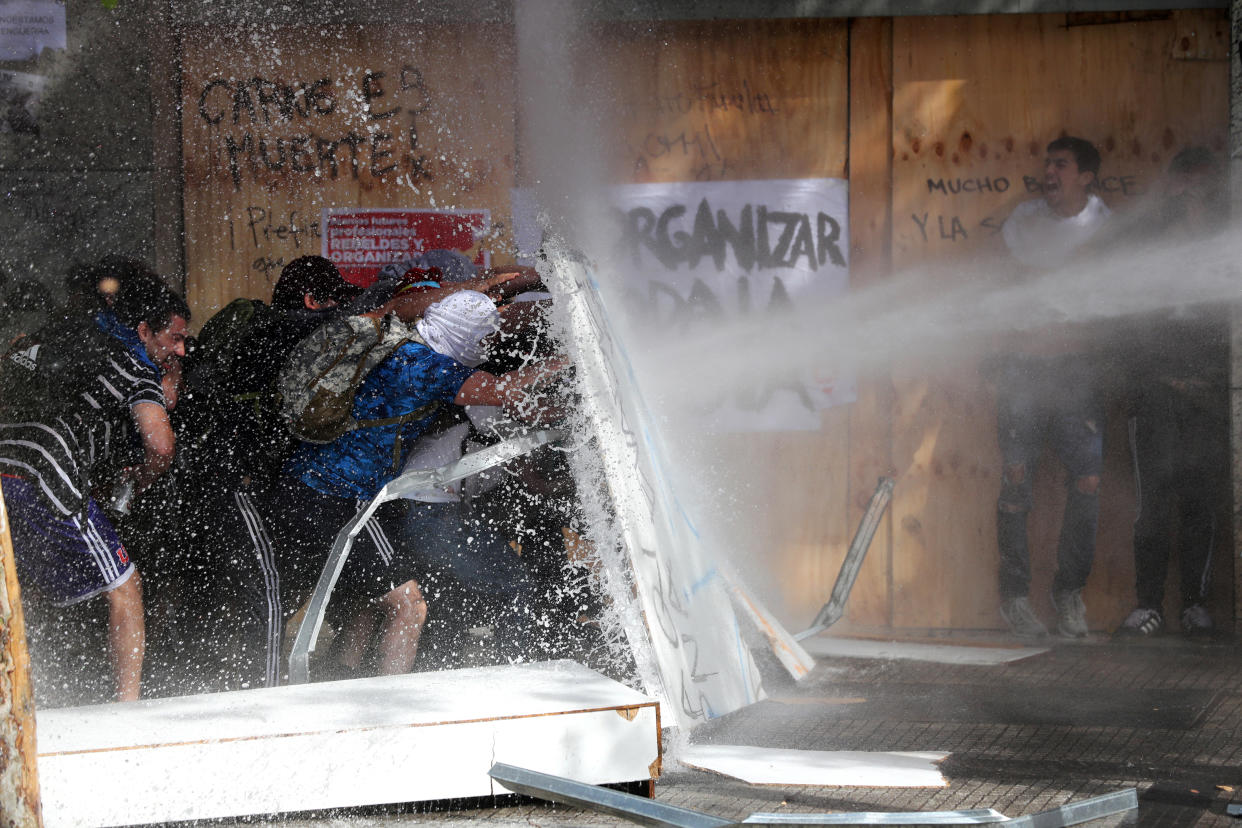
column 133, row 382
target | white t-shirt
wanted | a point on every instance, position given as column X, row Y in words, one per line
column 448, row 446
column 1037, row 237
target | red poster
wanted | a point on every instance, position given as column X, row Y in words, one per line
column 361, row 240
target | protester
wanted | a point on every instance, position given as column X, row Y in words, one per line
column 1179, row 424
column 233, row 446
column 1046, row 391
column 478, row 556
column 378, row 603
column 74, row 393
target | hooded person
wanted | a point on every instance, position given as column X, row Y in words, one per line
column 463, row 553
column 324, row 485
column 234, row 447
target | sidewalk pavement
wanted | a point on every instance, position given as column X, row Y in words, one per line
column 1075, row 721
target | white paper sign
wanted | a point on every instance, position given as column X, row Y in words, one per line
column 27, row 27
column 696, row 253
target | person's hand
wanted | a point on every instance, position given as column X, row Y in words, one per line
column 170, row 381
column 495, row 280
column 514, row 280
column 554, row 365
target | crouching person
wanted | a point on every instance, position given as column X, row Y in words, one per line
column 377, row 603
column 75, row 393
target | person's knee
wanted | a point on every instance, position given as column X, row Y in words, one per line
column 406, row 602
column 1015, row 497
column 1088, row 484
column 1015, row 474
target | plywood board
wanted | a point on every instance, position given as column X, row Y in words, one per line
column 339, row 744
column 740, row 100
column 870, row 426
column 278, row 123
column 726, row 100
column 976, row 99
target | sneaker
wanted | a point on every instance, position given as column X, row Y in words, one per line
column 1196, row 622
column 1022, row 619
column 1071, row 613
column 1143, row 622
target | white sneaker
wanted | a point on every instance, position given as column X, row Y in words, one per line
column 1071, row 614
column 1022, row 619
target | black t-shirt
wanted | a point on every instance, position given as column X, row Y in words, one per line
column 228, row 422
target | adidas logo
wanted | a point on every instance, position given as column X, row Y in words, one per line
column 26, row 359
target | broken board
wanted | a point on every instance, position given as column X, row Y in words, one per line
column 406, row 738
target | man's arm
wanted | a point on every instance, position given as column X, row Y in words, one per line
column 158, row 443
column 412, row 304
column 511, row 390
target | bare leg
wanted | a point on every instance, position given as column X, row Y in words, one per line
column 352, row 642
column 404, row 614
column 127, row 637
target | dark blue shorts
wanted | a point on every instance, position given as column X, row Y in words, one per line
column 63, row 559
column 447, row 539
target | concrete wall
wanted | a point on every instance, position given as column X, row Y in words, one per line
column 103, row 173
column 84, row 185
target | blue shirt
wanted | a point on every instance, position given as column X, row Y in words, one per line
column 357, row 464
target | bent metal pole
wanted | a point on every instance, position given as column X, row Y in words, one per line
column 411, row 481
column 19, row 778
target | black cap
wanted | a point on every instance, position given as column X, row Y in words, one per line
column 314, row 275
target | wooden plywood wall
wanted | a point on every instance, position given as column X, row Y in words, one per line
column 975, row 101
column 937, row 122
column 737, row 100
column 727, row 100
column 279, row 123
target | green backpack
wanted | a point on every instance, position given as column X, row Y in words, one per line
column 227, row 420
column 325, row 370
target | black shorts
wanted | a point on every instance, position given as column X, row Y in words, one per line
column 305, row 524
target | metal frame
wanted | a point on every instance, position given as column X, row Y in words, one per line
column 637, row 809
column 649, row 812
column 1085, row 810
column 308, row 632
column 832, row 611
column 973, row 816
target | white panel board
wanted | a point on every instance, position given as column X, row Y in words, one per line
column 702, row 667
column 772, row 766
column 831, row 647
column 339, row 744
